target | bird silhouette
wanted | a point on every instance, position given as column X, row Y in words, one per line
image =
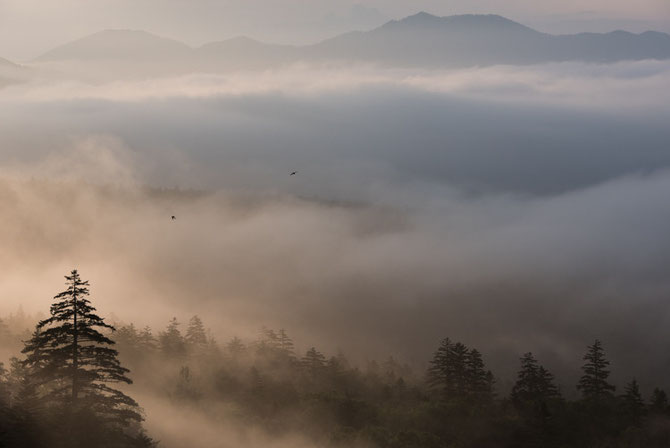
column 294, row 173
column 174, row 217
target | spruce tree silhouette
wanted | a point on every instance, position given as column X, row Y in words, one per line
column 195, row 333
column 534, row 383
column 285, row 343
column 313, row 362
column 659, row 401
column 478, row 379
column 439, row 373
column 593, row 384
column 172, row 343
column 633, row 405
column 460, row 373
column 70, row 365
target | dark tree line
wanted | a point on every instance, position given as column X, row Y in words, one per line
column 454, row 404
column 66, row 391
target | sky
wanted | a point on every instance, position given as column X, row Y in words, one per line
column 28, row 28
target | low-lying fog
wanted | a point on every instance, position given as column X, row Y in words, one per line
column 512, row 208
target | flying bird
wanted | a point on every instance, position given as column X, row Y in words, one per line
column 294, row 173
column 174, row 217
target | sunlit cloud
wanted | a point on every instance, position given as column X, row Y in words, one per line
column 633, row 85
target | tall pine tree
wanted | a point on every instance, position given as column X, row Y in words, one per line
column 196, row 336
column 313, row 362
column 632, row 402
column 172, row 343
column 71, row 366
column 659, row 401
column 593, row 384
column 479, row 381
column 459, row 372
column 534, row 383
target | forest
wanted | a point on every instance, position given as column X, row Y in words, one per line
column 70, row 386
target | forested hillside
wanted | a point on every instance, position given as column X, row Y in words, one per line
column 59, row 391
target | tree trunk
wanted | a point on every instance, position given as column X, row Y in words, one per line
column 75, row 353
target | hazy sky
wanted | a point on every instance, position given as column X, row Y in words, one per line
column 30, row 27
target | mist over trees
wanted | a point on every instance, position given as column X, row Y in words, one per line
column 476, row 202
column 61, row 392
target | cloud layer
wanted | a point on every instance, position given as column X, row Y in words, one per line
column 512, row 208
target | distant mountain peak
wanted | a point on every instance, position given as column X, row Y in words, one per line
column 420, row 17
column 117, row 43
column 126, row 35
column 422, row 39
column 7, row 63
column 473, row 22
column 417, row 20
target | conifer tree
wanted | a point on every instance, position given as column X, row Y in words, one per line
column 270, row 338
column 235, row 348
column 186, row 387
column 172, row 342
column 257, row 382
column 4, row 331
column 459, row 369
column 438, row 372
column 450, row 369
column 659, row 401
column 4, row 396
column 534, row 383
column 4, row 383
column 127, row 342
column 71, row 366
column 478, row 378
column 195, row 333
column 146, row 340
column 285, row 343
column 24, row 387
column 334, row 370
column 267, row 344
column 593, row 384
column 342, row 360
column 391, row 368
column 5, row 416
column 632, row 401
column 127, row 335
column 313, row 361
column 25, row 407
column 490, row 383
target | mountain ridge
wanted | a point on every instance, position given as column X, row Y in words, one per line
column 7, row 63
column 110, row 43
column 421, row 39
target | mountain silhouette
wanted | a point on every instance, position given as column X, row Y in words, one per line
column 244, row 52
column 419, row 40
column 7, row 63
column 469, row 40
column 119, row 45
column 11, row 73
